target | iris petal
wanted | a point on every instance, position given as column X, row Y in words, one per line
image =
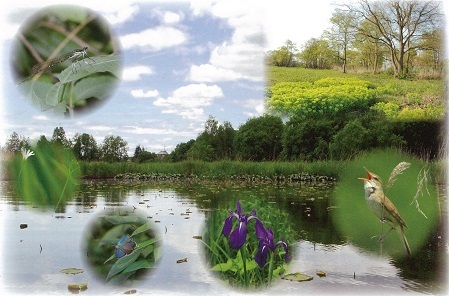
column 261, row 255
column 239, row 208
column 238, row 236
column 260, row 230
column 227, row 226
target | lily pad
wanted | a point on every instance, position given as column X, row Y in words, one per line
column 72, row 271
column 321, row 273
column 298, row 277
column 77, row 287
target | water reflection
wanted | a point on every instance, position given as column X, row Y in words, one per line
column 179, row 212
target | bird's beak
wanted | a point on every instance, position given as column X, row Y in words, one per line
column 369, row 176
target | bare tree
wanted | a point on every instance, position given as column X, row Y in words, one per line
column 400, row 24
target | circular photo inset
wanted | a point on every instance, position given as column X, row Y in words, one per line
column 248, row 244
column 66, row 60
column 389, row 207
column 122, row 246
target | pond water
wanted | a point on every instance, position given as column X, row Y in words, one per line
column 33, row 256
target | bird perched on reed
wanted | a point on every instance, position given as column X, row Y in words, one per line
column 383, row 208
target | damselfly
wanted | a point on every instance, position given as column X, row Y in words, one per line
column 76, row 55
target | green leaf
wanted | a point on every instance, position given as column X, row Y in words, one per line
column 54, row 95
column 123, row 263
column 157, row 253
column 141, row 264
column 142, row 228
column 109, row 259
column 147, row 243
column 299, row 277
column 72, row 271
column 94, row 87
column 87, row 67
column 114, row 233
column 223, row 267
column 37, row 91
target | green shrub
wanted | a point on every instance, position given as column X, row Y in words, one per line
column 327, row 96
column 349, row 140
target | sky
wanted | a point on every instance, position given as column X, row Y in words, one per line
column 183, row 61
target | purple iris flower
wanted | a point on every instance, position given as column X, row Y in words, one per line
column 266, row 243
column 238, row 235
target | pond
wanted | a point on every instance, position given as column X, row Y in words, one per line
column 37, row 244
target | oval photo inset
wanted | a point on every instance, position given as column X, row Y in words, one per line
column 66, row 60
column 122, row 246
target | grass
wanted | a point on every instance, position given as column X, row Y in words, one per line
column 403, row 91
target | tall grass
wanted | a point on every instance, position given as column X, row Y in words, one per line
column 219, row 169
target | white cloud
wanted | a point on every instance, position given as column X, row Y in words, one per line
column 154, row 39
column 256, row 107
column 121, row 15
column 100, row 128
column 309, row 20
column 188, row 101
column 135, row 73
column 211, row 73
column 40, row 117
column 170, row 17
column 241, row 57
column 140, row 93
column 148, row 131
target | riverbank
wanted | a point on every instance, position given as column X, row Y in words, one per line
column 299, row 171
column 220, row 170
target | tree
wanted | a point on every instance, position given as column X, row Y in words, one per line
column 180, row 151
column 220, row 137
column 284, row 55
column 316, row 54
column 201, row 150
column 371, row 52
column 59, row 137
column 259, row 139
column 309, row 138
column 43, row 142
column 400, row 24
column 225, row 137
column 145, row 156
column 15, row 143
column 85, row 147
column 137, row 152
column 113, row 149
column 349, row 141
column 342, row 33
column 431, row 54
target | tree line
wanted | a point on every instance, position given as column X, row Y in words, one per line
column 404, row 37
column 84, row 146
column 266, row 138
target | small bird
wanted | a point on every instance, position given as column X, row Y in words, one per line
column 383, row 208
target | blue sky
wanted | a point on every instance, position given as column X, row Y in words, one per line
column 183, row 62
